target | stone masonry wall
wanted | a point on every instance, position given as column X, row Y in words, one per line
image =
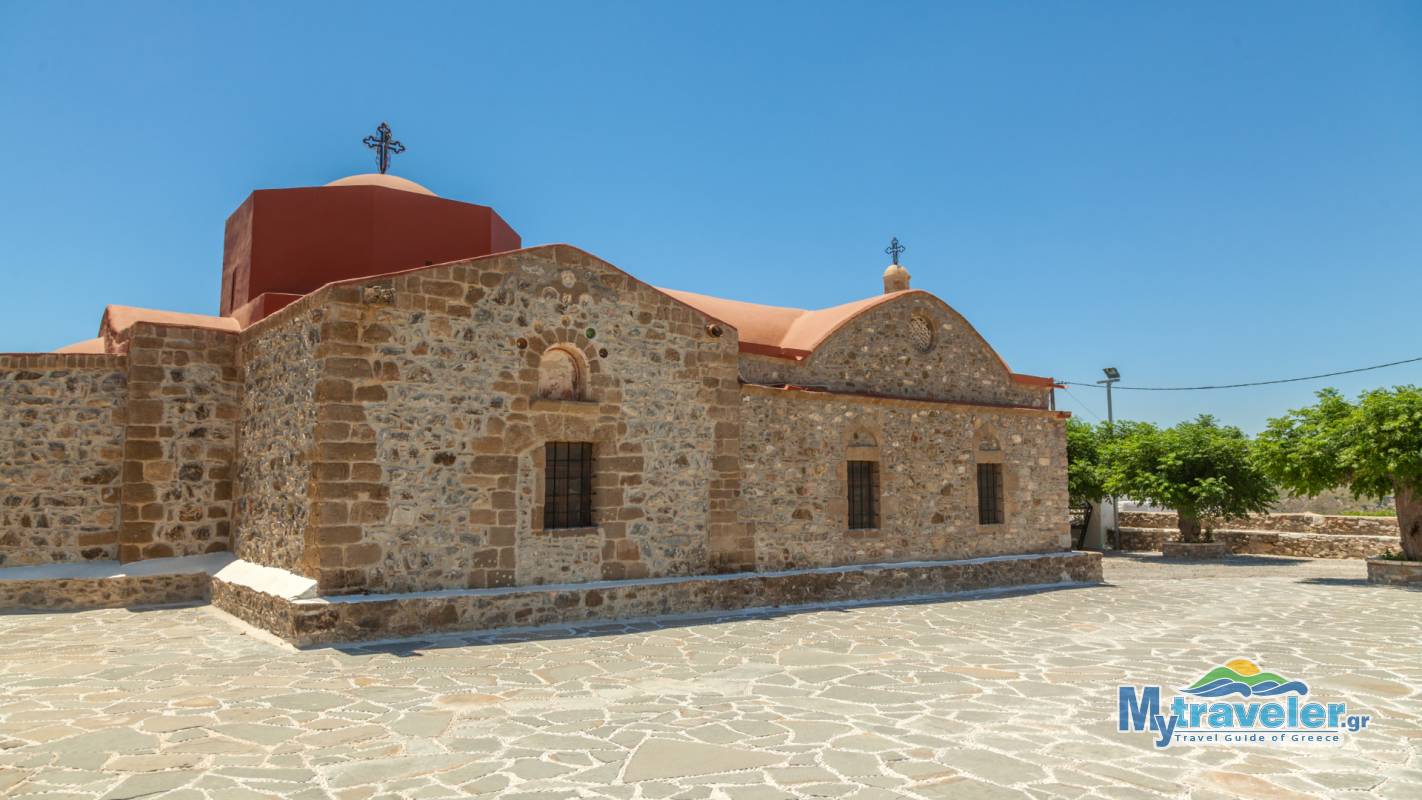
column 1274, row 543
column 794, row 445
column 1311, row 545
column 880, row 351
column 276, row 434
column 116, row 592
column 1398, row 573
column 61, row 450
column 179, row 442
column 429, row 437
column 1292, row 523
column 1307, row 535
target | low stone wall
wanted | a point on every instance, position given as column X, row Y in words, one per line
column 277, row 601
column 1195, row 550
column 1144, row 538
column 1309, row 545
column 1289, row 523
column 1273, row 543
column 116, row 592
column 1398, row 573
column 108, row 584
column 355, row 618
column 257, row 608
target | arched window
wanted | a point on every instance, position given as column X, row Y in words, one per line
column 560, row 376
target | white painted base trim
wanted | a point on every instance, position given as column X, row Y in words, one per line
column 209, row 563
column 267, row 580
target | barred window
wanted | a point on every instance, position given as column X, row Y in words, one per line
column 863, row 494
column 567, row 485
column 989, row 494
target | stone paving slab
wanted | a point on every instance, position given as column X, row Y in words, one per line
column 1000, row 695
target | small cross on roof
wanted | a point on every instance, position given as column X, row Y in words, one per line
column 894, row 249
column 384, row 146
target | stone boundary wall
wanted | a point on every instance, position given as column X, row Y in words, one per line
column 349, row 619
column 1288, row 523
column 1142, row 539
column 1274, row 543
column 61, row 454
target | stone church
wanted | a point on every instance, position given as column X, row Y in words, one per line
column 402, row 420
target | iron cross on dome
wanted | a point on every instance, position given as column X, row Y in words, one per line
column 895, row 249
column 384, row 146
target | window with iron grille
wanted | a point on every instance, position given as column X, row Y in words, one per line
column 567, row 485
column 989, row 494
column 863, row 494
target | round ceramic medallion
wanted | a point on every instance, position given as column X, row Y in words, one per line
column 921, row 334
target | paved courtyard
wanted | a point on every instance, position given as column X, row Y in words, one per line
column 1006, row 695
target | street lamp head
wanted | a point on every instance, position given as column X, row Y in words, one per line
column 1112, row 373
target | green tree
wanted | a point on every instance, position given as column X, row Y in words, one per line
column 1203, row 470
column 1373, row 447
column 1086, row 470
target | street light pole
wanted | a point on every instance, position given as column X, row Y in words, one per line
column 1112, row 375
column 1110, row 412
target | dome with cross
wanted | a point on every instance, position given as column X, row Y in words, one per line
column 386, row 181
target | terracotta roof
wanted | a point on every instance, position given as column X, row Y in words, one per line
column 387, row 181
column 766, row 330
column 118, row 319
column 95, row 345
column 774, row 330
column 796, row 332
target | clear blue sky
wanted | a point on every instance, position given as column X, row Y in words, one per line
column 1193, row 192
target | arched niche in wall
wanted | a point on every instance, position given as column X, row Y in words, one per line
column 562, row 375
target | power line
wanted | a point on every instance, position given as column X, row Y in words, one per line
column 1241, row 385
column 1084, row 407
